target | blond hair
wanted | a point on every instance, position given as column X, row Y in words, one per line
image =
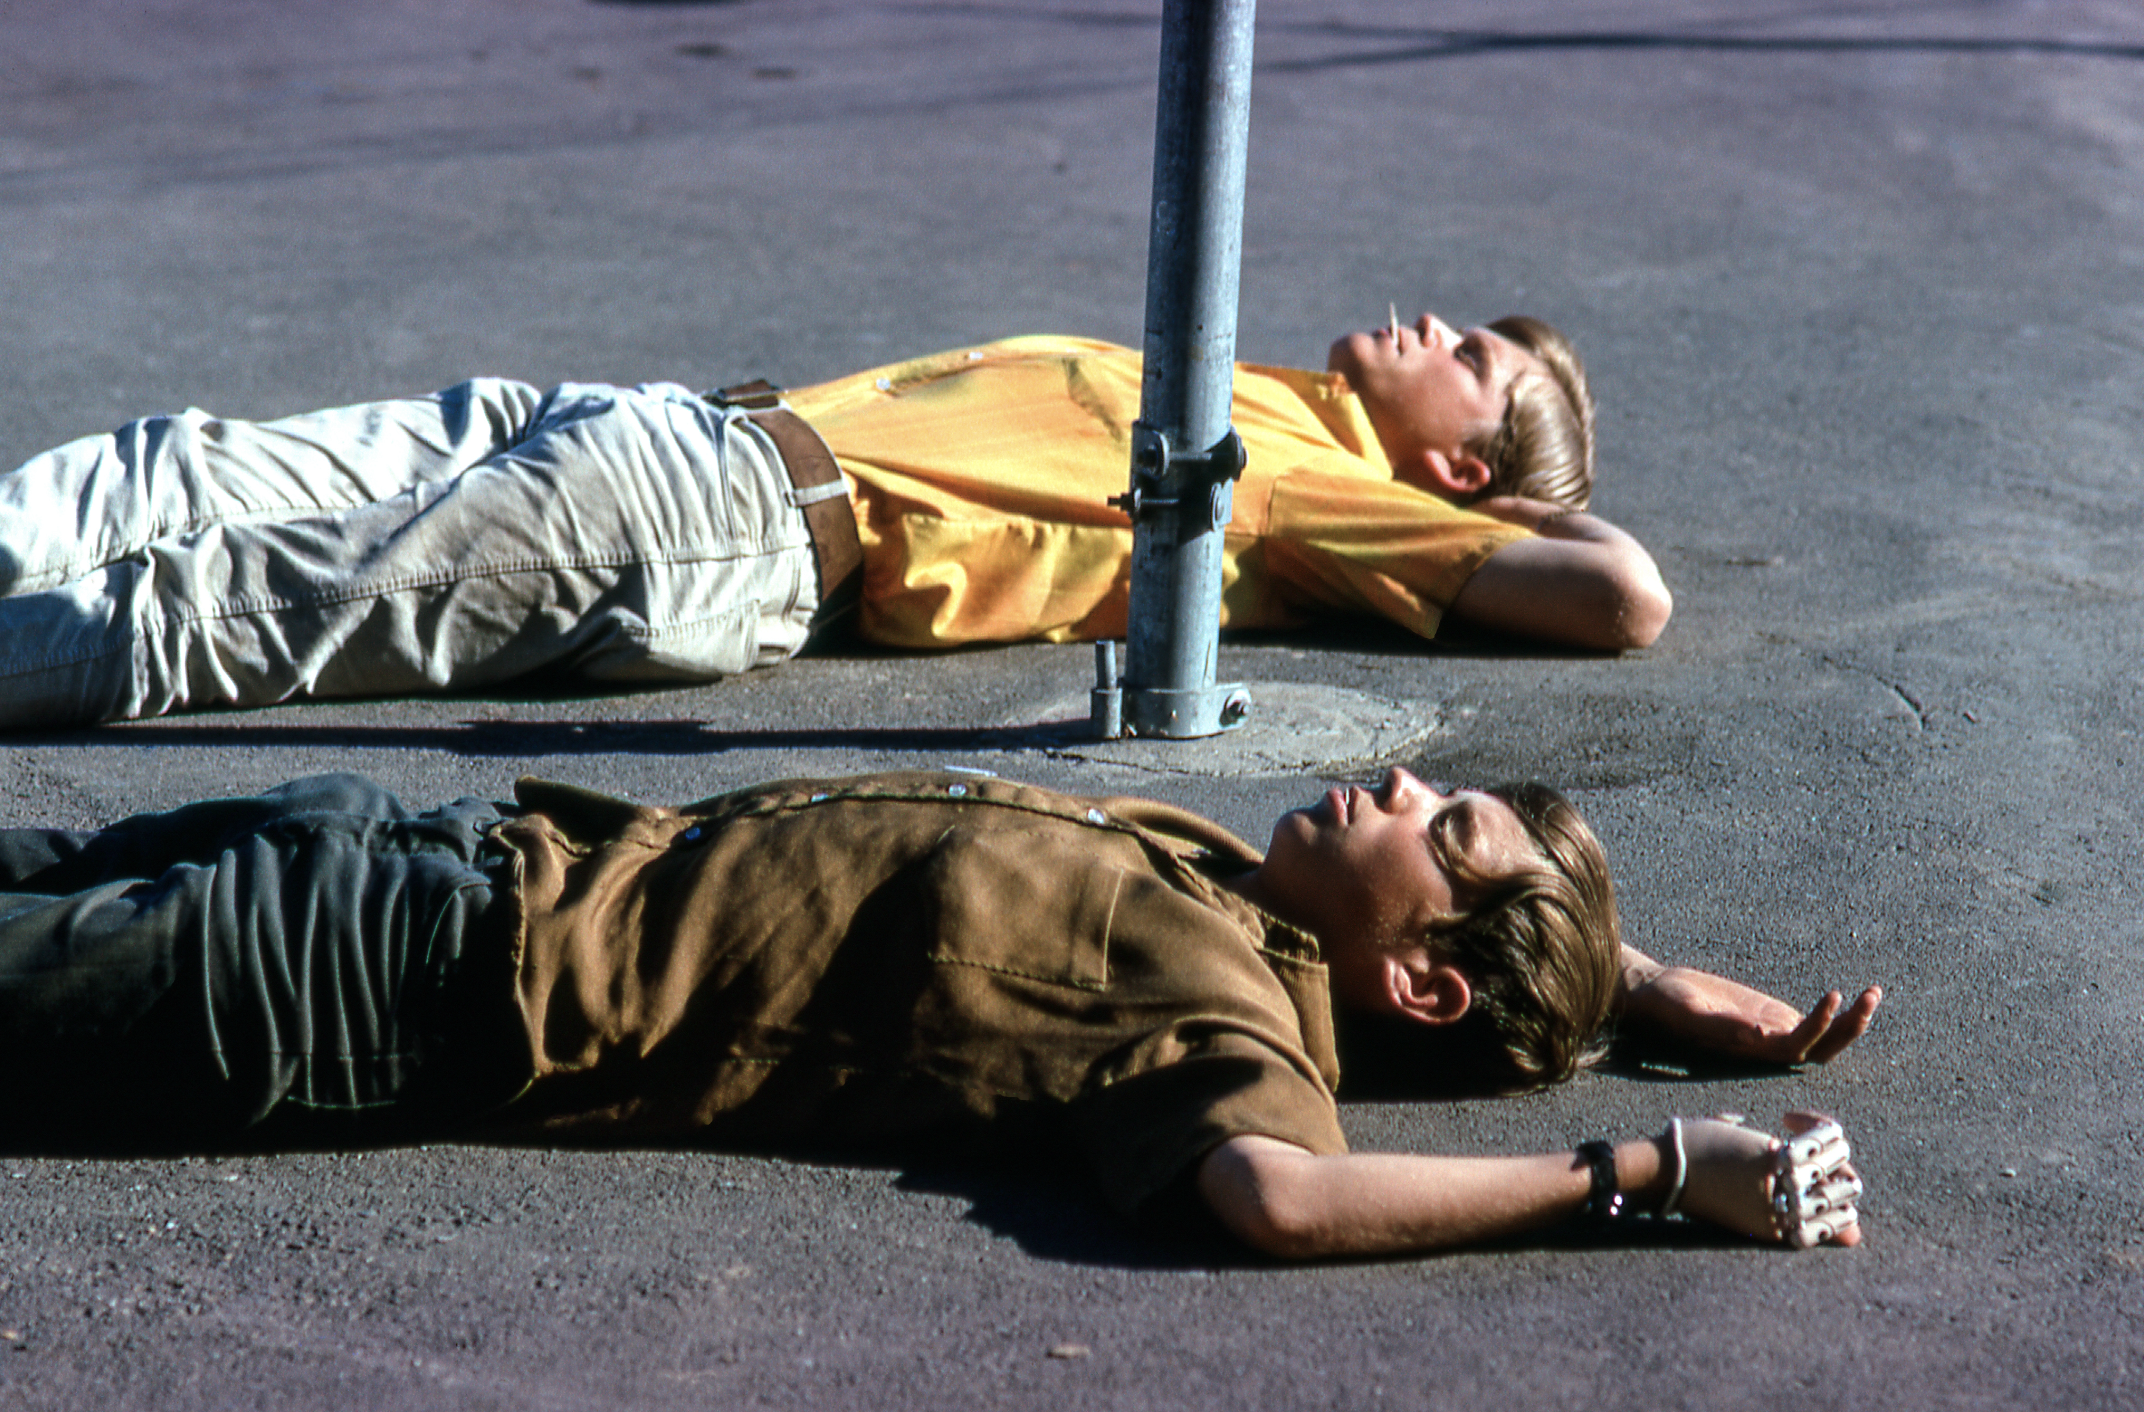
column 1543, row 449
column 1541, row 947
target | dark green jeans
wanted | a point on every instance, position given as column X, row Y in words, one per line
column 316, row 963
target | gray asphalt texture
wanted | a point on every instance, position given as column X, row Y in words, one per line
column 1859, row 288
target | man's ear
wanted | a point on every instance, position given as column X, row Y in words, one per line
column 1460, row 477
column 1423, row 989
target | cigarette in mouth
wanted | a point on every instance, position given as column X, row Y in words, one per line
column 1392, row 311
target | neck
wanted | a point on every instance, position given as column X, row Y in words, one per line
column 1352, row 973
column 1253, row 887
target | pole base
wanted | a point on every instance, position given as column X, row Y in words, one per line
column 1185, row 715
column 1118, row 710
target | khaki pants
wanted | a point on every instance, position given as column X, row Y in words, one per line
column 484, row 535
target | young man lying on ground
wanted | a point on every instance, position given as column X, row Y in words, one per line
column 888, row 959
column 596, row 535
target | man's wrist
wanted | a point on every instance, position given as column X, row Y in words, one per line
column 1626, row 1178
column 1604, row 1193
column 1645, row 1168
column 1565, row 523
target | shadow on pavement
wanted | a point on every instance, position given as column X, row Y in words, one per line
column 1466, row 44
column 528, row 738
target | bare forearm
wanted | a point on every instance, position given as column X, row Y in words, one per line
column 1638, row 968
column 1299, row 1205
column 1711, row 1012
column 1552, row 521
column 1579, row 580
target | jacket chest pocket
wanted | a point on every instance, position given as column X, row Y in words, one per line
column 1014, row 903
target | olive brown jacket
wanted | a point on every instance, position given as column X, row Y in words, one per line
column 871, row 959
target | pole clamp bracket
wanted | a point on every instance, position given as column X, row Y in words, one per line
column 1156, row 464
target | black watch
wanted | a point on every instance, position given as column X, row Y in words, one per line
column 1605, row 1201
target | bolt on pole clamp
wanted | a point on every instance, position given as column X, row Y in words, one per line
column 1155, row 463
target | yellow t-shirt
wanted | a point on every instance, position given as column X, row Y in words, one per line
column 981, row 479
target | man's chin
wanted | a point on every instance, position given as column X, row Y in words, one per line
column 1345, row 357
column 1293, row 829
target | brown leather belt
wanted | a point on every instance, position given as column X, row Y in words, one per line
column 821, row 493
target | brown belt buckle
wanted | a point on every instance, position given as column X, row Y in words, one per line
column 758, row 395
column 821, row 493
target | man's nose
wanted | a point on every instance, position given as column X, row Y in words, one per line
column 1437, row 332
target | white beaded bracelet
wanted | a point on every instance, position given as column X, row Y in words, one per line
column 1682, row 1168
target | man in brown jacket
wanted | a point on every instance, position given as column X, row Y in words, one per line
column 816, row 964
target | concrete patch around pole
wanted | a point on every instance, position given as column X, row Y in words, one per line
column 1294, row 728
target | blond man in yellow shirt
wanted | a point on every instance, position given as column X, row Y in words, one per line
column 981, row 480
column 492, row 533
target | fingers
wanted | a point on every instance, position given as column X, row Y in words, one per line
column 1841, row 1028
column 1801, row 1120
column 1809, row 1034
column 1821, row 1198
column 1814, row 1186
column 1839, row 1227
column 1813, row 1153
column 1800, row 1190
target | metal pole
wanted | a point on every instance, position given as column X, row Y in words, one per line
column 1185, row 454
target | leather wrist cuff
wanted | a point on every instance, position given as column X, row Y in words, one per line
column 1605, row 1201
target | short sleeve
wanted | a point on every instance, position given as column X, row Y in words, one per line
column 1142, row 1133
column 1379, row 547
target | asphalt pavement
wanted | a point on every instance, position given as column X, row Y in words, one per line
column 1859, row 286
